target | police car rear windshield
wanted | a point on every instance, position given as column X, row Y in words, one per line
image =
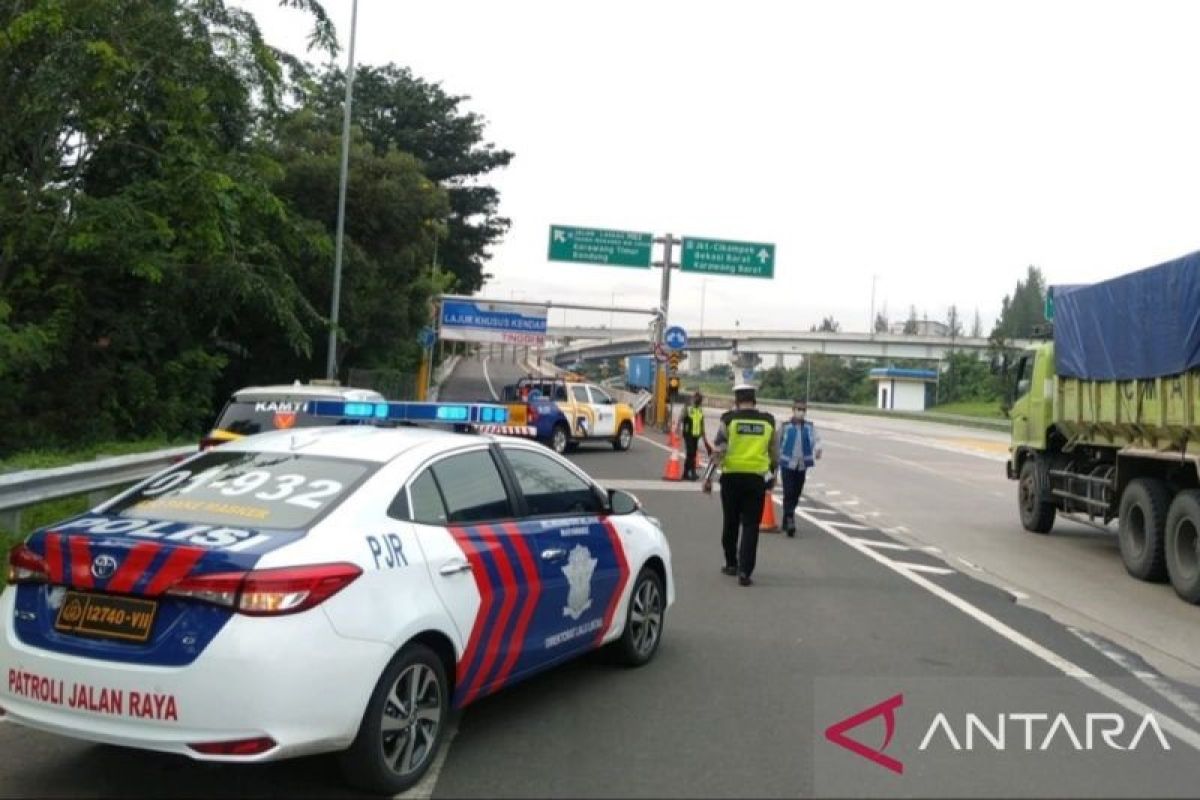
column 248, row 417
column 246, row 490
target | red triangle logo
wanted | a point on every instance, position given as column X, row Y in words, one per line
column 836, row 733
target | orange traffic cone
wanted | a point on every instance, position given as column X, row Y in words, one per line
column 768, row 524
column 673, row 471
column 638, row 427
column 672, row 438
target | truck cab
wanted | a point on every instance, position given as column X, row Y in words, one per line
column 1032, row 392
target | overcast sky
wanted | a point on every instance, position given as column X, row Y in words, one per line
column 942, row 146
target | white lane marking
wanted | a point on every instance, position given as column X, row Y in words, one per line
column 874, row 542
column 932, row 570
column 1063, row 665
column 488, row 378
column 1018, row 594
column 975, row 567
column 813, row 510
column 853, row 526
column 848, row 502
column 659, row 445
column 832, row 492
column 929, row 548
column 1151, row 679
column 424, row 789
column 651, row 485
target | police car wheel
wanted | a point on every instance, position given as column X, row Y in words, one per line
column 624, row 437
column 403, row 725
column 559, row 439
column 644, row 622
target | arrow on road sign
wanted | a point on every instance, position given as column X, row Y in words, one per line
column 763, row 255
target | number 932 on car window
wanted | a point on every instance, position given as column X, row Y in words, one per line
column 275, row 490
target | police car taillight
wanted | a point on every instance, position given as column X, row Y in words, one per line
column 238, row 747
column 220, row 589
column 291, row 589
column 267, row 592
column 26, row 566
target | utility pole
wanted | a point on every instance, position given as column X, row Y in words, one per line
column 331, row 362
column 662, row 412
column 872, row 322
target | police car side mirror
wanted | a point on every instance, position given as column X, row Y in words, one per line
column 620, row 502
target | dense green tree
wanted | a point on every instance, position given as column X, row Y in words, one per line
column 396, row 110
column 138, row 225
column 1023, row 309
column 168, row 187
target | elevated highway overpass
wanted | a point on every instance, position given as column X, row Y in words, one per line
column 858, row 345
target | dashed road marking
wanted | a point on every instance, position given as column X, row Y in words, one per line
column 873, row 542
column 1069, row 668
column 1151, row 679
column 929, row 568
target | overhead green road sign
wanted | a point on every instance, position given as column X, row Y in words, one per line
column 720, row 257
column 600, row 246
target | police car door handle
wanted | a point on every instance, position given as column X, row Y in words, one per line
column 553, row 554
column 454, row 567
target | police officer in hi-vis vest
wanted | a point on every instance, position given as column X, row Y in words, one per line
column 747, row 450
column 691, row 426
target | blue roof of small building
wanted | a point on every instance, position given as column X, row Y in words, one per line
column 896, row 373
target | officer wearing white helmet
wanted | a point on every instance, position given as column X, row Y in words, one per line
column 747, row 450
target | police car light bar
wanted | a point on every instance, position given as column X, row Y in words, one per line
column 436, row 413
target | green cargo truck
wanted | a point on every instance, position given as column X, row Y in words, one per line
column 1106, row 420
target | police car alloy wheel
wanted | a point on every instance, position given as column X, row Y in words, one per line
column 403, row 726
column 624, row 437
column 559, row 439
column 644, row 624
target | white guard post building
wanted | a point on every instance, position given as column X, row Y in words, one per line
column 904, row 389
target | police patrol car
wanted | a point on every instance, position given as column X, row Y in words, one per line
column 255, row 409
column 326, row 589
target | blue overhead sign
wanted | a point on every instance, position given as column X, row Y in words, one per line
column 483, row 321
column 427, row 336
column 675, row 337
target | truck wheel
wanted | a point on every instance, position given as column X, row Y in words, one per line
column 1183, row 545
column 1142, row 528
column 624, row 437
column 559, row 439
column 1036, row 514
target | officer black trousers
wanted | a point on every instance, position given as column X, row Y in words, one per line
column 690, row 444
column 793, row 485
column 742, row 496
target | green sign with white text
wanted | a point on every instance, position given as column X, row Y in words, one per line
column 600, row 246
column 720, row 257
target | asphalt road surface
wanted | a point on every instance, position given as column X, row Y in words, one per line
column 846, row 618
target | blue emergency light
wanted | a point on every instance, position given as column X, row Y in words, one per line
column 436, row 413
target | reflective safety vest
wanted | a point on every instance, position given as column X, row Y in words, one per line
column 695, row 421
column 750, row 435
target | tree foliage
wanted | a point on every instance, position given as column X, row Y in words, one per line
column 1023, row 309
column 168, row 187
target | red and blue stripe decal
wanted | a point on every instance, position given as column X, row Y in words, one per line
column 521, row 601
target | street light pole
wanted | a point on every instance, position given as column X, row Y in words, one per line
column 872, row 321
column 331, row 362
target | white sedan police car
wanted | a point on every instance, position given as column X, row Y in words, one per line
column 326, row 589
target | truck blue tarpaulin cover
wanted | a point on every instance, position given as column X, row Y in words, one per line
column 1142, row 325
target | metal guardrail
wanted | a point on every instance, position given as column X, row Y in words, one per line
column 19, row 490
